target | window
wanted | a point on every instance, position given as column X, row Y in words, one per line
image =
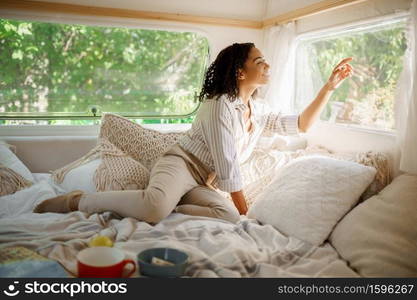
column 59, row 71
column 367, row 98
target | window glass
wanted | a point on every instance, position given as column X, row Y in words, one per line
column 367, row 98
column 61, row 71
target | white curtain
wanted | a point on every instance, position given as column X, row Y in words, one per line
column 406, row 101
column 307, row 83
column 279, row 52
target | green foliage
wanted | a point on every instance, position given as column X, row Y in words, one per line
column 70, row 68
column 377, row 61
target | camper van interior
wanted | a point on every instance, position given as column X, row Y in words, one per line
column 94, row 93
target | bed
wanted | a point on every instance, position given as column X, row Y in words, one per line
column 217, row 248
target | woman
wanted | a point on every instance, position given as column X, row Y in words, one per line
column 223, row 135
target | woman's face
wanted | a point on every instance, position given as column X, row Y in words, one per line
column 255, row 71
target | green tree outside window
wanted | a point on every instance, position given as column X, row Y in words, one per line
column 60, row 71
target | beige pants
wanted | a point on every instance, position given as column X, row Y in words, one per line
column 176, row 184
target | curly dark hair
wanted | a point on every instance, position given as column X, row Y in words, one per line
column 221, row 76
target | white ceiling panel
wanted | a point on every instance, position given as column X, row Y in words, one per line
column 239, row 9
column 255, row 10
column 277, row 7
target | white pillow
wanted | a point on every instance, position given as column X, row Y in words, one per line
column 310, row 195
column 11, row 161
column 81, row 178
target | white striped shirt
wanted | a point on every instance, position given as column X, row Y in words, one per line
column 218, row 137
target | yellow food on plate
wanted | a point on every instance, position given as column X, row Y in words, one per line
column 101, row 240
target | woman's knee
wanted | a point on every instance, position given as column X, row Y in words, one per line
column 230, row 214
column 158, row 205
column 219, row 206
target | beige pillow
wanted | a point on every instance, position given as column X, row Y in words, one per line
column 11, row 182
column 116, row 171
column 119, row 171
column 378, row 238
column 14, row 175
column 142, row 144
column 127, row 151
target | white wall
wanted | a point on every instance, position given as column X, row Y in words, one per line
column 353, row 13
column 342, row 138
column 277, row 7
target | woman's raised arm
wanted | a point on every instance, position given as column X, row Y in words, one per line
column 312, row 112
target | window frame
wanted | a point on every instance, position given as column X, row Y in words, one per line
column 105, row 22
column 352, row 27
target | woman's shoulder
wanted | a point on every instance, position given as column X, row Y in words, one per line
column 218, row 101
column 220, row 105
column 219, row 98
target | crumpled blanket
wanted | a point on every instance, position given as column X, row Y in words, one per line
column 216, row 248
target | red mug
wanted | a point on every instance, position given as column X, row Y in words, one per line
column 100, row 262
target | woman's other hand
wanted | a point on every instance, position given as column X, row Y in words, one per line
column 340, row 73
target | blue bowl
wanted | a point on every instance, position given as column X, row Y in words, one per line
column 177, row 257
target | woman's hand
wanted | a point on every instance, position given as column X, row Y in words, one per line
column 340, row 73
column 240, row 202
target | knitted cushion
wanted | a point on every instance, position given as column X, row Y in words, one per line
column 14, row 175
column 127, row 150
column 142, row 144
column 11, row 182
column 117, row 170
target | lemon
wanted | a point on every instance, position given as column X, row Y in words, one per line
column 101, row 240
